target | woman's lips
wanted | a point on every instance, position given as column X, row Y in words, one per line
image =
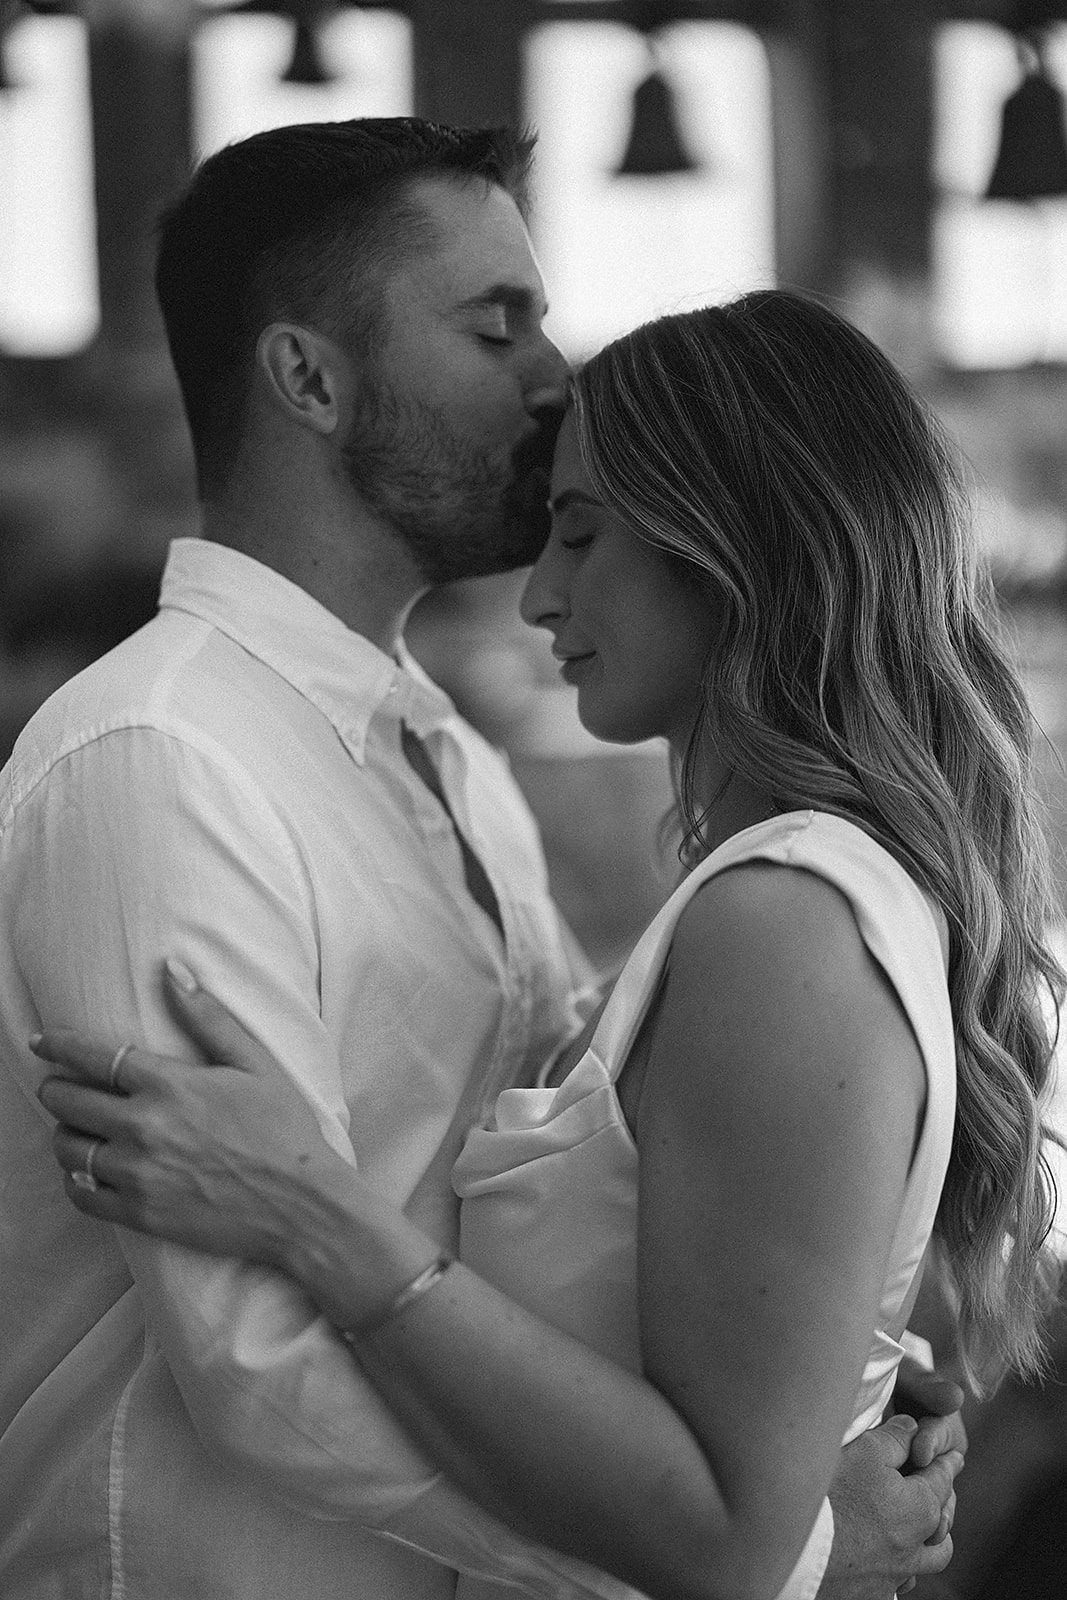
column 573, row 668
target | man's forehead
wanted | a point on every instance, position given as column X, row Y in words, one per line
column 482, row 253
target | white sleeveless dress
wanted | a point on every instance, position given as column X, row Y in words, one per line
column 549, row 1187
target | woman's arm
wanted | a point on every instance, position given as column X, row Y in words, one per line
column 777, row 1121
column 781, row 1105
column 780, row 1109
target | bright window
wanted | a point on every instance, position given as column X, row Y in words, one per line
column 238, row 60
column 49, row 304
column 1000, row 268
column 616, row 251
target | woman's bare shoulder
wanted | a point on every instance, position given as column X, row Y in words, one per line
column 768, row 968
column 770, row 907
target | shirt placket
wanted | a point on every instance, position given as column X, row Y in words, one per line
column 513, row 1035
column 517, row 965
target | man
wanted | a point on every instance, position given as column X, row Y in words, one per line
column 262, row 784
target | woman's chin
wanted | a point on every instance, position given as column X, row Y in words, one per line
column 611, row 729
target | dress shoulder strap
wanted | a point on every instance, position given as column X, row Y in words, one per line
column 901, row 926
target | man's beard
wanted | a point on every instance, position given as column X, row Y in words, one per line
column 462, row 511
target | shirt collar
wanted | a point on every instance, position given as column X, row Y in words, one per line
column 340, row 672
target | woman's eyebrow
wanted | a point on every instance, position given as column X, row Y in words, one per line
column 573, row 497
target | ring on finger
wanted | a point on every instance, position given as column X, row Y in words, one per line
column 84, row 1177
column 116, row 1064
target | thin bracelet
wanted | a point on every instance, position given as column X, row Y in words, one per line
column 420, row 1285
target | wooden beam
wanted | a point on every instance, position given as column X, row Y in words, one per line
column 797, row 48
column 142, row 150
column 468, row 60
column 881, row 126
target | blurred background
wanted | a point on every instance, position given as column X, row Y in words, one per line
column 905, row 158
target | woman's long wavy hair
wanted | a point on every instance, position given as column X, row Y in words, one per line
column 776, row 457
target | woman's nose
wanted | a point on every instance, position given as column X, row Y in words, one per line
column 543, row 602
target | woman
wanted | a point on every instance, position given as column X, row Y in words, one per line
column 689, row 1251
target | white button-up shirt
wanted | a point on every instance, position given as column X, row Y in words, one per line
column 228, row 787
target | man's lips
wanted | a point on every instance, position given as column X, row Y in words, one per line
column 532, row 456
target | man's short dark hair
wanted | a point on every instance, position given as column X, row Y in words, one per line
column 301, row 222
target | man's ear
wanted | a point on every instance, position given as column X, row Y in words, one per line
column 304, row 373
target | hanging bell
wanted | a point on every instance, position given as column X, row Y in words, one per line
column 1032, row 157
column 306, row 64
column 655, row 147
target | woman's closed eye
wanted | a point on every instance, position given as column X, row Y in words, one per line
column 575, row 523
column 576, row 526
column 577, row 518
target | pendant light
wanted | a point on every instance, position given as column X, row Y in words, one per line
column 306, row 64
column 655, row 147
column 1031, row 159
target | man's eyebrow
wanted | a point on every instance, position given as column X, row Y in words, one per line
column 514, row 296
column 573, row 497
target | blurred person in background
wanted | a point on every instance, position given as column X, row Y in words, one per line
column 263, row 779
column 58, row 624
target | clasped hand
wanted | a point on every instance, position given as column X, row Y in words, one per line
column 221, row 1158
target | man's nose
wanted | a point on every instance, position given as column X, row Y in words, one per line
column 549, row 375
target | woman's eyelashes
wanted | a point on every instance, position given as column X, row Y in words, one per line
column 577, row 527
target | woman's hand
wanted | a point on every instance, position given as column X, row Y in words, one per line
column 225, row 1158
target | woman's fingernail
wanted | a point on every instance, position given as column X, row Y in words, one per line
column 181, row 975
column 35, row 1039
